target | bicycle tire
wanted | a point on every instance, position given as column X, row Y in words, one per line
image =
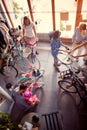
column 9, row 71
column 66, row 85
column 63, row 58
column 34, row 61
column 67, row 62
column 22, row 65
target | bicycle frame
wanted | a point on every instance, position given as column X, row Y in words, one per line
column 21, row 62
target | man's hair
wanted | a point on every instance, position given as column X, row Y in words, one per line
column 35, row 118
column 22, row 86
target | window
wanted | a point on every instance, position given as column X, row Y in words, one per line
column 84, row 12
column 42, row 13
column 84, row 9
column 65, row 12
column 18, row 10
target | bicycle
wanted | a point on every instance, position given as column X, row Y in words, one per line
column 20, row 60
column 33, row 59
column 32, row 79
column 67, row 61
column 7, row 69
column 71, row 82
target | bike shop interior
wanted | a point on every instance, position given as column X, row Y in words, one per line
column 48, row 16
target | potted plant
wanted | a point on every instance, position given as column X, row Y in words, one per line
column 6, row 123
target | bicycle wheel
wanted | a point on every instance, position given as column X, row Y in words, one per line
column 9, row 71
column 34, row 61
column 63, row 57
column 66, row 85
column 23, row 65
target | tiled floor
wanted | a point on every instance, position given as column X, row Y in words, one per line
column 52, row 99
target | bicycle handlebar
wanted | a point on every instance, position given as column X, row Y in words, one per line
column 69, row 53
column 66, row 51
column 30, row 41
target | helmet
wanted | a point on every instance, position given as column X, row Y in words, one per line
column 27, row 94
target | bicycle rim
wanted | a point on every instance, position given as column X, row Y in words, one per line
column 67, row 86
column 9, row 71
column 34, row 61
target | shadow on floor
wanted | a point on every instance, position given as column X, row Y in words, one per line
column 52, row 99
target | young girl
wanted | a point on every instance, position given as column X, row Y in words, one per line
column 55, row 45
column 29, row 32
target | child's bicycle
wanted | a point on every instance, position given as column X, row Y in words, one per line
column 32, row 79
column 30, row 44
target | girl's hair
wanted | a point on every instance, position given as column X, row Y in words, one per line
column 24, row 19
column 56, row 34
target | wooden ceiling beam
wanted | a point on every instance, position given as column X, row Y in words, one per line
column 30, row 10
column 78, row 12
column 53, row 14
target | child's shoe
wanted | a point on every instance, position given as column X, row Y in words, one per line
column 37, row 53
column 56, row 67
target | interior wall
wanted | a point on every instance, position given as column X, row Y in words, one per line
column 43, row 37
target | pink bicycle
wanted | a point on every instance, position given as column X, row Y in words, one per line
column 32, row 57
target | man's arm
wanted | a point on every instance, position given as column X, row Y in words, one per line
column 82, row 44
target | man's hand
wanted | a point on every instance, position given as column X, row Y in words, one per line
column 67, row 48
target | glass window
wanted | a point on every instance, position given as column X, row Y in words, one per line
column 42, row 13
column 65, row 12
column 84, row 10
column 17, row 10
column 3, row 14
